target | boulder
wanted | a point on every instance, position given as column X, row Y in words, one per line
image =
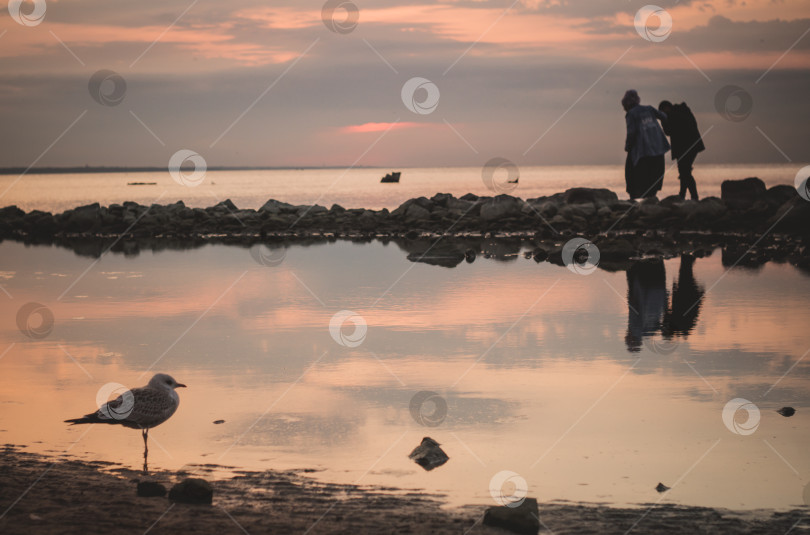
column 600, row 196
column 704, row 211
column 10, row 212
column 441, row 199
column 149, row 489
column 740, row 194
column 500, row 207
column 277, row 207
column 428, row 454
column 779, row 195
column 225, row 206
column 192, row 490
column 524, row 519
column 83, row 218
column 416, row 213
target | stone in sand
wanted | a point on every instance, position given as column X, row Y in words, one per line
column 787, row 412
column 149, row 489
column 661, row 487
column 525, row 518
column 429, row 454
column 192, row 490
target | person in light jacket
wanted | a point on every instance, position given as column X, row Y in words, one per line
column 645, row 145
column 682, row 129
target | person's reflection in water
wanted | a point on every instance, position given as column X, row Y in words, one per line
column 646, row 299
column 687, row 296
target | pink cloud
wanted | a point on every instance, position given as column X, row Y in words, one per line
column 380, row 127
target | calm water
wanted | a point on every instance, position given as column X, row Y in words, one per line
column 544, row 372
column 356, row 188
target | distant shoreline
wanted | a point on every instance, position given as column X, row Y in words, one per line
column 148, row 169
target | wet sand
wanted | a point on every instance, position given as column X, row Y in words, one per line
column 59, row 495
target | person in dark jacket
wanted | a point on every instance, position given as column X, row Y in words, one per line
column 681, row 127
column 645, row 145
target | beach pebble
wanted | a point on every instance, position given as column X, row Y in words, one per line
column 192, row 490
column 661, row 487
column 787, row 412
column 524, row 518
column 428, row 454
column 148, row 489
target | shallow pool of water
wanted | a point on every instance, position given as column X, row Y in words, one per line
column 588, row 387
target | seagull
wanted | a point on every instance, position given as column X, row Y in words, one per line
column 140, row 408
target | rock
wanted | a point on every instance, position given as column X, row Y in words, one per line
column 787, row 412
column 337, row 209
column 457, row 207
column 539, row 254
column 416, row 213
column 192, row 490
column 441, row 199
column 500, row 207
column 150, row 489
column 653, row 211
column 661, row 487
column 83, row 218
column 277, row 207
column 779, row 195
column 217, row 422
column 793, row 216
column 225, row 205
column 469, row 256
column 11, row 212
column 597, row 196
column 429, row 454
column 469, row 197
column 524, row 519
column 741, row 194
column 311, row 210
column 705, row 211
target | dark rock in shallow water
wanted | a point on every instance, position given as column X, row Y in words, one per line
column 597, row 196
column 523, row 519
column 500, row 207
column 416, row 213
column 741, row 194
column 787, row 412
column 429, row 454
column 661, row 487
column 277, row 207
column 149, row 489
column 192, row 490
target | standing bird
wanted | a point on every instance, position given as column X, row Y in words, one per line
column 140, row 408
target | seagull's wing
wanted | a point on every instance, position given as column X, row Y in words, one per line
column 137, row 408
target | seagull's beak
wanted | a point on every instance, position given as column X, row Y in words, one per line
column 180, row 385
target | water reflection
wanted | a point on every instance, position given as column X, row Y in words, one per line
column 530, row 359
column 652, row 309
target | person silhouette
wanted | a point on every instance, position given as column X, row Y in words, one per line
column 687, row 297
column 646, row 301
column 645, row 144
column 681, row 127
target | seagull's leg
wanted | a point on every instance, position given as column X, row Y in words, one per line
column 145, row 434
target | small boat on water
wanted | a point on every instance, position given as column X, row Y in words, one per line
column 515, row 181
column 393, row 176
column 141, row 183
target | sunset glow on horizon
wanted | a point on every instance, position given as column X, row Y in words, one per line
column 257, row 84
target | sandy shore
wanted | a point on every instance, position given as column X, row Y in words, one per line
column 56, row 495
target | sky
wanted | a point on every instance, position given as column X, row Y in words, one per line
column 391, row 83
